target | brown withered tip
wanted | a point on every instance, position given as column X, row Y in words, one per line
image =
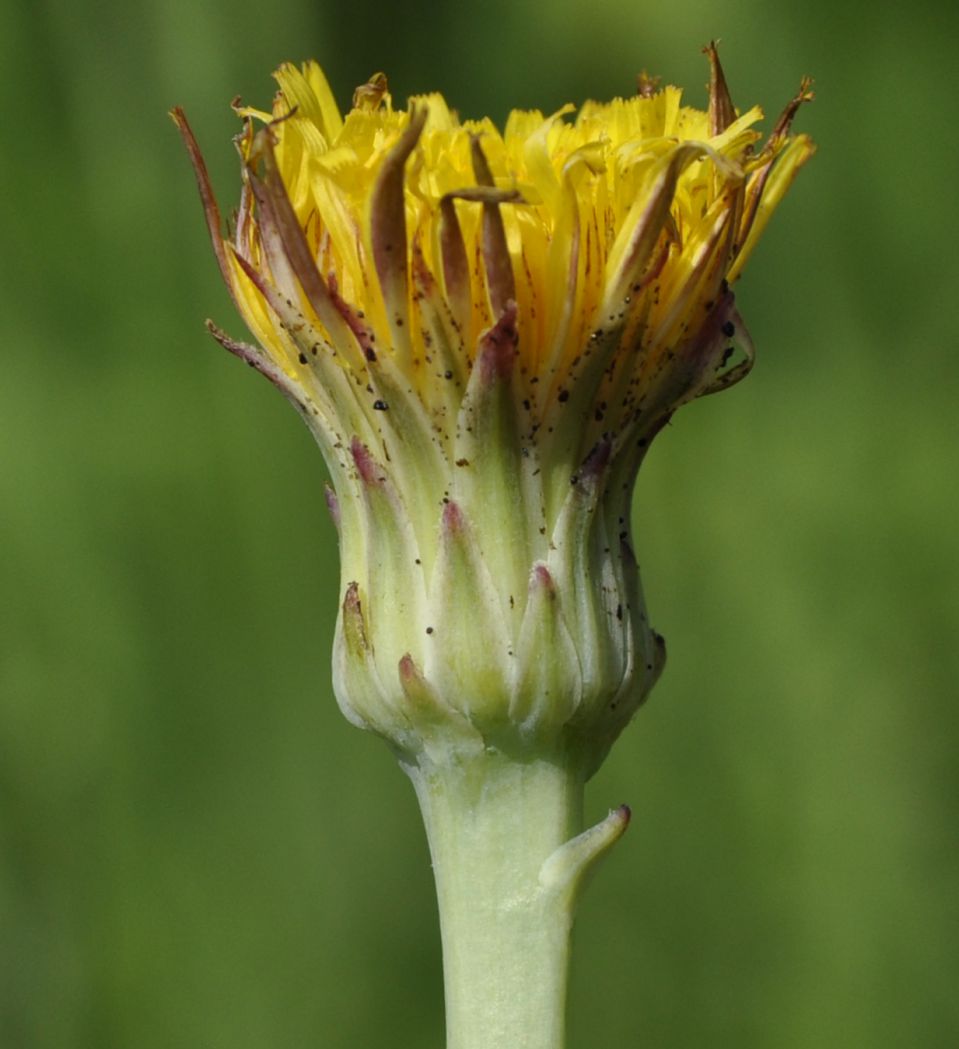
column 625, row 813
column 211, row 210
column 369, row 95
column 276, row 121
column 499, row 269
column 497, row 351
column 260, row 362
column 646, row 84
column 722, row 112
column 388, row 219
column 784, row 123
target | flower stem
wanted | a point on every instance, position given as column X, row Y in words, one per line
column 508, row 860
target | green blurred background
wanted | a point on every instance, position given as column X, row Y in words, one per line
column 195, row 849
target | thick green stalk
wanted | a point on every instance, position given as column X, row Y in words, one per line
column 508, row 860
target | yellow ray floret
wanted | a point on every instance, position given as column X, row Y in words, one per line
column 390, row 241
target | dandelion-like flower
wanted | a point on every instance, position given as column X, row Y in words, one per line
column 484, row 330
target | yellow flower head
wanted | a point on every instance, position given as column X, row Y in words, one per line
column 482, row 325
column 590, row 252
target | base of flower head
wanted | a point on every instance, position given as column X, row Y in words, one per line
column 469, row 633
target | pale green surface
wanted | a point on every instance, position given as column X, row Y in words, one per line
column 510, row 856
column 195, row 849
